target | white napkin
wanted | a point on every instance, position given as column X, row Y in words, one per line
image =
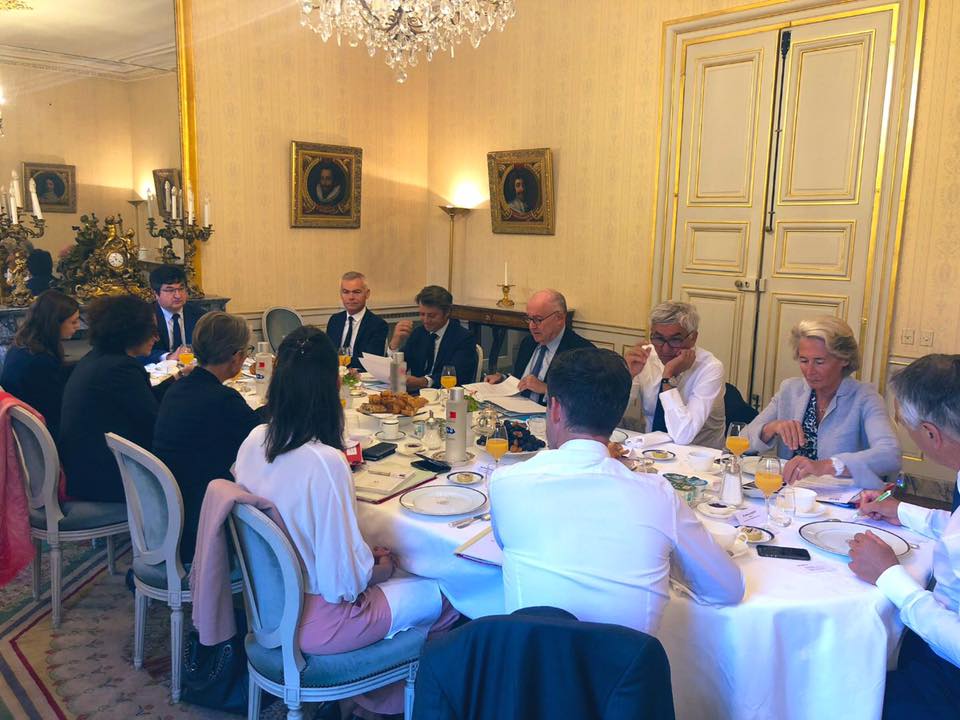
column 647, row 440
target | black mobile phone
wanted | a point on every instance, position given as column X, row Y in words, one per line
column 379, row 451
column 434, row 466
column 784, row 553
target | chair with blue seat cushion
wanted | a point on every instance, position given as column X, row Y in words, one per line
column 278, row 322
column 51, row 521
column 273, row 596
column 155, row 513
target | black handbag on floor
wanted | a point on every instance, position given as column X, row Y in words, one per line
column 215, row 676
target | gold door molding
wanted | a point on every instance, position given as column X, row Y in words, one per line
column 892, row 167
column 188, row 115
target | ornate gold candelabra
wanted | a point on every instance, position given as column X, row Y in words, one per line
column 15, row 244
column 505, row 301
column 191, row 233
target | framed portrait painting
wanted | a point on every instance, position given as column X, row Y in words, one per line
column 56, row 185
column 325, row 185
column 521, row 191
column 161, row 177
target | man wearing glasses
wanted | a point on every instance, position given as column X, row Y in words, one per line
column 677, row 387
column 549, row 336
column 175, row 319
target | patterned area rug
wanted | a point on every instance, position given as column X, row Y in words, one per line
column 84, row 668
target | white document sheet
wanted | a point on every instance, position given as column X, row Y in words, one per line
column 377, row 366
column 519, row 405
column 484, row 391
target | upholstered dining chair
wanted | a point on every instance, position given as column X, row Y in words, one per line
column 277, row 323
column 51, row 521
column 273, row 596
column 155, row 512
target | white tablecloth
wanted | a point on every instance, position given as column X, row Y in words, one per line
column 808, row 641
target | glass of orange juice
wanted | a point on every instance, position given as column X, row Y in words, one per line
column 186, row 355
column 737, row 441
column 345, row 356
column 498, row 444
column 448, row 376
column 768, row 479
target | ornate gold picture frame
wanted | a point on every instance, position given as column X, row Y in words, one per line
column 56, row 185
column 521, row 191
column 325, row 185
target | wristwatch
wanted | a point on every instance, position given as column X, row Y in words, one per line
column 838, row 466
column 670, row 382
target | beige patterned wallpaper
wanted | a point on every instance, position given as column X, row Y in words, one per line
column 262, row 81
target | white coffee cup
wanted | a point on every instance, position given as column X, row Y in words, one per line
column 700, row 461
column 390, row 428
column 726, row 536
column 805, row 499
column 431, row 395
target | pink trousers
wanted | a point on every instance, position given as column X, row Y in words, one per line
column 327, row 629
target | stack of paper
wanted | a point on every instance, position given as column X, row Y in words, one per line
column 377, row 366
column 482, row 548
column 379, row 481
column 506, row 395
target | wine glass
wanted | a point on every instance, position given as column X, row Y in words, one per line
column 498, row 443
column 737, row 441
column 448, row 376
column 769, row 479
column 186, row 356
column 344, row 355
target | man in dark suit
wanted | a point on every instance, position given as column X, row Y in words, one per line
column 436, row 343
column 357, row 327
column 175, row 319
column 549, row 336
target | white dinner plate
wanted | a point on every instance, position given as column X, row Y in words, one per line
column 443, row 500
column 833, row 535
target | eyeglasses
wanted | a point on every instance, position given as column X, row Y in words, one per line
column 537, row 321
column 173, row 290
column 674, row 342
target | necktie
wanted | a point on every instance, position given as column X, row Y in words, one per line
column 535, row 371
column 348, row 342
column 432, row 363
column 659, row 419
column 177, row 333
column 956, row 498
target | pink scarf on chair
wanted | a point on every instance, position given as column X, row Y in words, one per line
column 16, row 547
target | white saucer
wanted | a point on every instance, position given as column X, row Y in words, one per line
column 379, row 436
column 818, row 510
column 713, row 512
column 404, row 450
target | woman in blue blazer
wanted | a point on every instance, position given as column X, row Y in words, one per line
column 825, row 422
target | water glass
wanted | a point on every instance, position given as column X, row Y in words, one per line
column 784, row 508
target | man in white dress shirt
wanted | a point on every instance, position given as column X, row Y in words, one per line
column 927, row 680
column 677, row 386
column 581, row 532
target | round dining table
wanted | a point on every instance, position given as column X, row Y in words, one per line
column 808, row 641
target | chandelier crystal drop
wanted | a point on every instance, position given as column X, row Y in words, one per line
column 405, row 29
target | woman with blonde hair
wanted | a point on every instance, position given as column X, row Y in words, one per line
column 825, row 422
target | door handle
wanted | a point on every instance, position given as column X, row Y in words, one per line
column 751, row 284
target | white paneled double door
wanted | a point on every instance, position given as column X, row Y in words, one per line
column 776, row 185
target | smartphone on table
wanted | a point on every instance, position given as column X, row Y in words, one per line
column 783, row 553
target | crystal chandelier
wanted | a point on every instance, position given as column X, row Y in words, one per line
column 403, row 29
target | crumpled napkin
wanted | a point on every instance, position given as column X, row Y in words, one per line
column 646, row 440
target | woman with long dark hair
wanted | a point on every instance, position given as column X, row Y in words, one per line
column 33, row 369
column 297, row 461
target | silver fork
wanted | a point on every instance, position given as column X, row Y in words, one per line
column 469, row 521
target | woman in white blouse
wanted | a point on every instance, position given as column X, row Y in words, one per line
column 352, row 598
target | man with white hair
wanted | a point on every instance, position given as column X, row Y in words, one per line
column 677, row 387
column 549, row 337
column 926, row 682
column 357, row 327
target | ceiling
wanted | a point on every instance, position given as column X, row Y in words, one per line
column 126, row 39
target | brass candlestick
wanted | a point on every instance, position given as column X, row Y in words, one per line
column 15, row 245
column 505, row 301
column 191, row 234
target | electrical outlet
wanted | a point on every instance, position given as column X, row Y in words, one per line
column 906, row 337
column 926, row 338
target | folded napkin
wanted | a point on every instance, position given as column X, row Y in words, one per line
column 647, row 440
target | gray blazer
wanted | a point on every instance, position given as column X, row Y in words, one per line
column 856, row 428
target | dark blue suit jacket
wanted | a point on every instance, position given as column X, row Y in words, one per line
column 189, row 318
column 370, row 336
column 457, row 347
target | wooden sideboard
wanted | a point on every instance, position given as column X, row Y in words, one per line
column 498, row 319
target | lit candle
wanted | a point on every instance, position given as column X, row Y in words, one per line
column 15, row 186
column 12, row 204
column 150, row 210
column 505, row 281
column 34, row 201
column 166, row 194
column 206, row 211
column 189, row 205
column 173, row 204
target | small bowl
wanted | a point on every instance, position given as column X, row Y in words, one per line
column 411, row 448
column 700, row 461
column 464, row 477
